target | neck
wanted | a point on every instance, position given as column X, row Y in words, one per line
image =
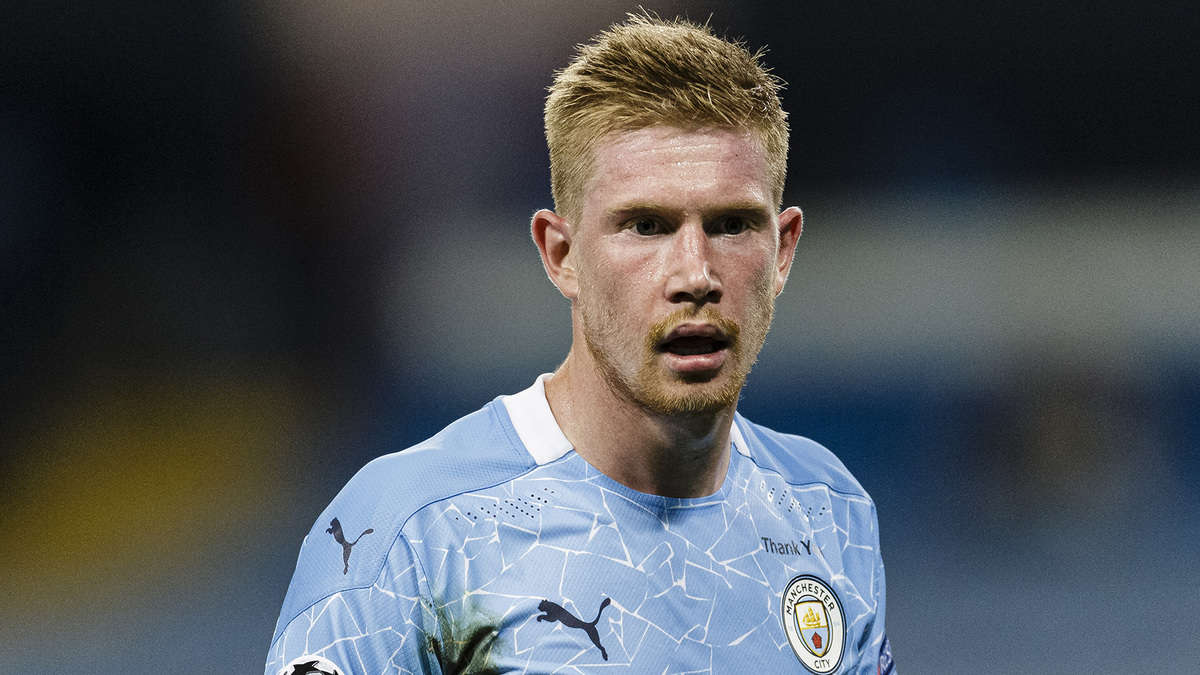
column 668, row 455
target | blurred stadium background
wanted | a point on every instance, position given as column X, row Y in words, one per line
column 247, row 247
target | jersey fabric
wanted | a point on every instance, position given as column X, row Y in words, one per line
column 494, row 547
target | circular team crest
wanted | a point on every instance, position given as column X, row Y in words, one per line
column 311, row 665
column 814, row 623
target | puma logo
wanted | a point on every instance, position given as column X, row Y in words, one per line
column 311, row 665
column 310, row 668
column 335, row 528
column 555, row 612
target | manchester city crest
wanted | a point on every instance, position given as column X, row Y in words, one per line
column 814, row 623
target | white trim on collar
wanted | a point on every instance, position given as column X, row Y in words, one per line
column 737, row 440
column 530, row 414
column 535, row 424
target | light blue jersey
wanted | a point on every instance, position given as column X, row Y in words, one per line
column 494, row 547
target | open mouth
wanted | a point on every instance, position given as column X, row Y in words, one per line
column 694, row 339
column 692, row 345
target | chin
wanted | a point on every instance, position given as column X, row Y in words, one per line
column 690, row 398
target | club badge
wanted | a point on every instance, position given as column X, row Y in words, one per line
column 814, row 623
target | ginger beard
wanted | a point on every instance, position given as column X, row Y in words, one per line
column 651, row 384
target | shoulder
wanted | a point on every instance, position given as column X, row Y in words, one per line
column 349, row 544
column 468, row 454
column 797, row 459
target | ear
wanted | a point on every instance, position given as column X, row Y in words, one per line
column 791, row 224
column 552, row 235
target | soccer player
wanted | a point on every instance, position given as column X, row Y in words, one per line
column 619, row 512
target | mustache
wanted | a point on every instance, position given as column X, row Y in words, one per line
column 660, row 330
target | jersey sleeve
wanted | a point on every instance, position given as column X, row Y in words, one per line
column 380, row 628
column 879, row 651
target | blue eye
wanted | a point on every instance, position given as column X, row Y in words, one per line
column 733, row 226
column 645, row 227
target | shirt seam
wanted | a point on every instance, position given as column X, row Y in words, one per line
column 507, row 429
column 846, row 493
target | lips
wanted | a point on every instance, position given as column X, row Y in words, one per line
column 694, row 339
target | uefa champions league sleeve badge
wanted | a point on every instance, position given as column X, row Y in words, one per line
column 814, row 623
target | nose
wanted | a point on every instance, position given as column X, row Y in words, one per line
column 692, row 277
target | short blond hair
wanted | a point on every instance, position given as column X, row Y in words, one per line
column 646, row 71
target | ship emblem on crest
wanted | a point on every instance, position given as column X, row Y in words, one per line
column 814, row 623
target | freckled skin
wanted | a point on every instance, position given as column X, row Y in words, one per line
column 677, row 232
column 628, row 281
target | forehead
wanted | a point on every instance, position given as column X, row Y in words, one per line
column 684, row 169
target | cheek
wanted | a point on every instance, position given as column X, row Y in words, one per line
column 621, row 275
column 765, row 280
column 602, row 287
column 754, row 271
column 596, row 280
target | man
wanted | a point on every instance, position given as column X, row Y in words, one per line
column 619, row 512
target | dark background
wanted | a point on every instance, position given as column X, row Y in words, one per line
column 246, row 247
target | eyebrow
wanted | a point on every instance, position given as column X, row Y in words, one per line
column 747, row 209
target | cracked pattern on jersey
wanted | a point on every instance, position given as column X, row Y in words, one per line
column 692, row 582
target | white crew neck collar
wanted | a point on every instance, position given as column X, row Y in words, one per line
column 535, row 425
